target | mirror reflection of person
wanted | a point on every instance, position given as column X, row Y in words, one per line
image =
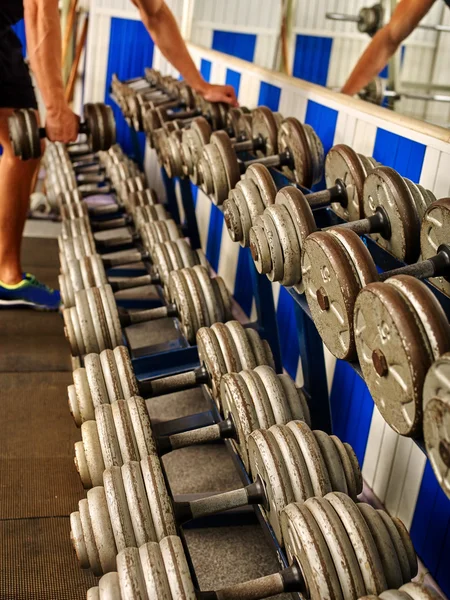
column 405, row 18
column 42, row 26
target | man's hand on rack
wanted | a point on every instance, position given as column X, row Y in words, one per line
column 219, row 93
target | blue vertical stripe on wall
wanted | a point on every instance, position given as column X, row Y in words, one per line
column 243, row 291
column 269, row 95
column 214, row 237
column 351, row 408
column 233, row 78
column 402, row 154
column 205, row 69
column 290, row 349
column 130, row 51
column 312, row 58
column 19, row 30
column 241, row 45
column 194, row 190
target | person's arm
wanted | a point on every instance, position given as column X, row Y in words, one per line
column 385, row 42
column 43, row 33
column 162, row 26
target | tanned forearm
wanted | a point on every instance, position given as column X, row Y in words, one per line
column 43, row 33
column 163, row 28
column 375, row 57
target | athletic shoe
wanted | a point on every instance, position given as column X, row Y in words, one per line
column 29, row 292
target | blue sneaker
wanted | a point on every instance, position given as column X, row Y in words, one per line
column 29, row 292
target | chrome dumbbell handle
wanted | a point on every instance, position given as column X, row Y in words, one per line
column 438, row 265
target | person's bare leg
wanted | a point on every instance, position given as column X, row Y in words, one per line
column 15, row 187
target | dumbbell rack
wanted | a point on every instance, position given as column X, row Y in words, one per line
column 310, row 344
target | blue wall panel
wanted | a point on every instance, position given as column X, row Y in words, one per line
column 269, row 95
column 312, row 58
column 205, row 69
column 323, row 120
column 243, row 289
column 214, row 237
column 129, row 54
column 233, row 78
column 19, row 30
column 241, row 45
column 402, row 154
column 287, row 327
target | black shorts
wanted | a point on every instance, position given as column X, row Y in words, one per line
column 16, row 89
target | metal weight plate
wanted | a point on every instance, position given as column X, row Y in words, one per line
column 70, row 318
column 73, row 405
column 261, row 349
column 112, row 316
column 154, row 572
column 93, row 452
column 306, row 545
column 432, row 318
column 435, row 231
column 210, row 355
column 141, row 424
column 125, row 370
column 342, row 553
column 342, row 162
column 402, row 544
column 245, row 352
column 238, row 219
column 392, row 357
column 259, row 247
column 81, row 466
column 228, row 347
column 223, row 297
column 293, row 140
column 232, row 121
column 95, row 382
column 177, row 569
column 221, row 140
column 111, row 376
column 88, row 541
column 131, row 576
column 198, row 298
column 276, row 272
column 118, row 509
column 418, row 591
column 407, row 543
column 421, row 196
column 331, row 288
column 388, row 555
column 159, row 500
column 289, row 244
column 84, row 398
column 107, row 434
column 362, row 261
column 189, row 258
column 86, row 324
column 138, row 503
column 124, row 431
column 384, row 187
column 261, row 177
column 364, row 545
column 312, row 456
column 301, row 215
column 237, row 403
column 293, row 460
column 109, row 588
column 180, row 295
column 266, row 464
column 77, row 540
column 317, row 153
column 332, row 461
column 101, row 528
column 296, row 399
column 264, row 127
column 275, row 392
column 351, row 467
column 261, row 402
column 98, row 319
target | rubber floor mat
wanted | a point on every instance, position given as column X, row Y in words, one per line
column 23, row 352
column 38, row 563
column 31, row 323
column 40, row 252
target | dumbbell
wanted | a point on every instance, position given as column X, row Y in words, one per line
column 257, row 190
column 265, row 398
column 89, row 271
column 25, row 133
column 436, row 420
column 168, row 141
column 336, row 548
column 196, row 299
column 336, row 265
column 288, row 463
column 390, row 218
column 222, row 348
column 300, row 156
column 251, row 399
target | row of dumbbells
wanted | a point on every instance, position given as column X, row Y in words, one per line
column 305, row 481
column 334, row 268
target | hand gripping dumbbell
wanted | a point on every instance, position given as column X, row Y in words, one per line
column 222, row 348
column 390, row 217
column 336, row 548
column 251, row 399
column 336, row 265
column 436, row 419
column 25, row 133
column 300, row 156
column 89, row 271
column 288, row 463
column 196, row 299
column 257, row 190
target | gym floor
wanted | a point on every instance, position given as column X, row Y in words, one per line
column 39, row 485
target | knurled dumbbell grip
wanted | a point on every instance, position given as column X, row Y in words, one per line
column 132, row 282
column 124, row 258
column 203, row 435
column 432, row 267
